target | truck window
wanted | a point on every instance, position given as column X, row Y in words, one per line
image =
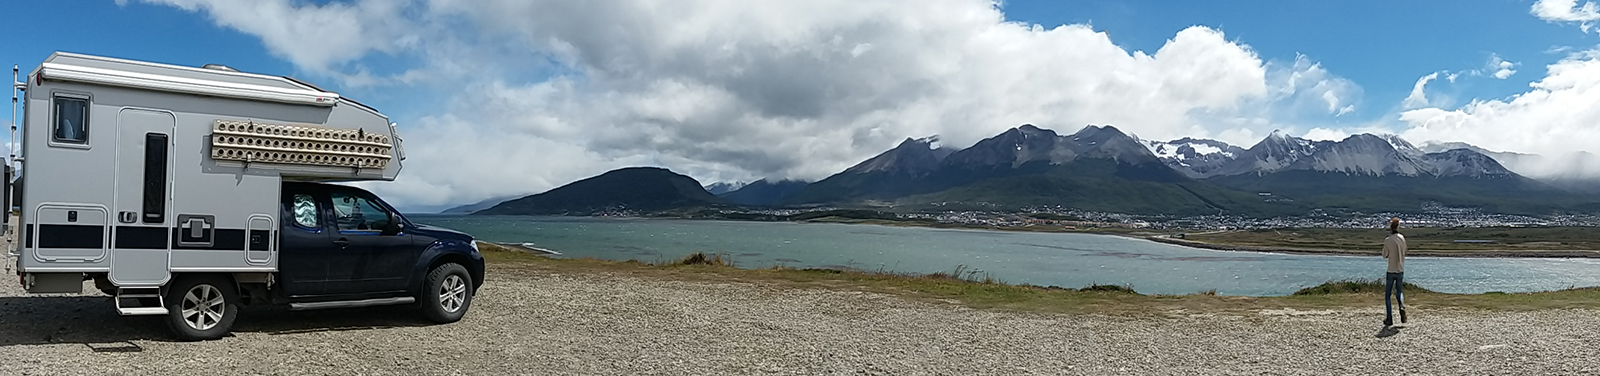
column 305, row 211
column 352, row 212
column 72, row 120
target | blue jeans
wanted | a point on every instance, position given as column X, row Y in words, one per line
column 1391, row 286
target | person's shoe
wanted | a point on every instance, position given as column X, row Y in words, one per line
column 1402, row 315
column 1388, row 322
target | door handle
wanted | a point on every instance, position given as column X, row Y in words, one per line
column 342, row 243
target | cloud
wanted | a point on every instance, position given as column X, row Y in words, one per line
column 1325, row 134
column 1556, row 116
column 540, row 93
column 1567, row 11
column 1499, row 68
column 320, row 38
column 1419, row 97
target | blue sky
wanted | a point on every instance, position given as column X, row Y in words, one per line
column 535, row 94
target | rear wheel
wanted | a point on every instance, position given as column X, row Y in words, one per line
column 446, row 294
column 201, row 307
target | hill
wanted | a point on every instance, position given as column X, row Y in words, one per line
column 480, row 205
column 763, row 193
column 633, row 188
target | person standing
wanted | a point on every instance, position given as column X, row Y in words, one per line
column 1394, row 249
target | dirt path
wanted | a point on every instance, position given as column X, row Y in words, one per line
column 527, row 323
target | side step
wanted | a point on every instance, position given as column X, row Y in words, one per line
column 131, row 301
column 351, row 303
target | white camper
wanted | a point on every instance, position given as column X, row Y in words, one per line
column 188, row 191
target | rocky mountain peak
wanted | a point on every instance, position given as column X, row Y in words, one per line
column 1194, row 157
column 1466, row 162
column 914, row 156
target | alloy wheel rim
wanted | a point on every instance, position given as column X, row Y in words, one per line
column 203, row 307
column 452, row 293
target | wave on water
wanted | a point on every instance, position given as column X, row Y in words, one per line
column 545, row 250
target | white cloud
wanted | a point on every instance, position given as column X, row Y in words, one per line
column 541, row 93
column 1242, row 137
column 320, row 38
column 1499, row 68
column 1325, row 134
column 1419, row 97
column 1567, row 11
column 1556, row 116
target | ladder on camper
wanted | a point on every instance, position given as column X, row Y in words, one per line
column 130, row 301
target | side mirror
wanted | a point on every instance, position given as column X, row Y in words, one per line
column 391, row 228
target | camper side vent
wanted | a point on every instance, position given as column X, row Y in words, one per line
column 254, row 142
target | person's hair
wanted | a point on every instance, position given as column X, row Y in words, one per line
column 1394, row 225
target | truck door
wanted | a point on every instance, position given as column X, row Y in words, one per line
column 304, row 248
column 382, row 261
column 139, row 255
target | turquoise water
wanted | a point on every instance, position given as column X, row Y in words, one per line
column 1068, row 260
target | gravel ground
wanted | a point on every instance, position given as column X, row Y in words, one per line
column 528, row 323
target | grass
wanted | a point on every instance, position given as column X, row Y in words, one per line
column 976, row 289
column 700, row 258
column 1357, row 286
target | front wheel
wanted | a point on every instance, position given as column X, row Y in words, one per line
column 201, row 307
column 447, row 293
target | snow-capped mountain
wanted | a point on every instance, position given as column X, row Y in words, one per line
column 1278, row 151
column 1028, row 143
column 719, row 188
column 1362, row 155
column 1366, row 154
column 1193, row 156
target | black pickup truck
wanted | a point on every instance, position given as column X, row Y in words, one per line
column 339, row 247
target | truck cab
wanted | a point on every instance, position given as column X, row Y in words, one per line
column 344, row 244
column 190, row 191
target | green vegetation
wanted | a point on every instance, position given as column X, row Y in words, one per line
column 1485, row 241
column 1054, row 217
column 1357, row 286
column 963, row 287
column 847, row 214
column 1116, row 289
column 700, row 258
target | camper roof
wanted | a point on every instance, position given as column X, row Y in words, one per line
column 180, row 79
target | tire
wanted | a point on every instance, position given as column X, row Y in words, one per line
column 446, row 294
column 209, row 314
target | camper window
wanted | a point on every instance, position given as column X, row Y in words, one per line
column 353, row 212
column 71, row 120
column 305, row 211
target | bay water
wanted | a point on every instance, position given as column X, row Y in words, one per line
column 1045, row 259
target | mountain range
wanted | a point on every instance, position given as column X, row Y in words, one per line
column 1100, row 168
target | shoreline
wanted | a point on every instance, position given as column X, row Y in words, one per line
column 1165, row 239
column 528, row 248
column 1151, row 236
column 1375, row 251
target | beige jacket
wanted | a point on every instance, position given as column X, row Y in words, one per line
column 1394, row 249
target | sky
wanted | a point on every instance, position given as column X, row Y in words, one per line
column 497, row 98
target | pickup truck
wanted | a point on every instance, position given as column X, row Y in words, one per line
column 339, row 247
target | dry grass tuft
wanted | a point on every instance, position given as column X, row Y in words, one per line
column 700, row 258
